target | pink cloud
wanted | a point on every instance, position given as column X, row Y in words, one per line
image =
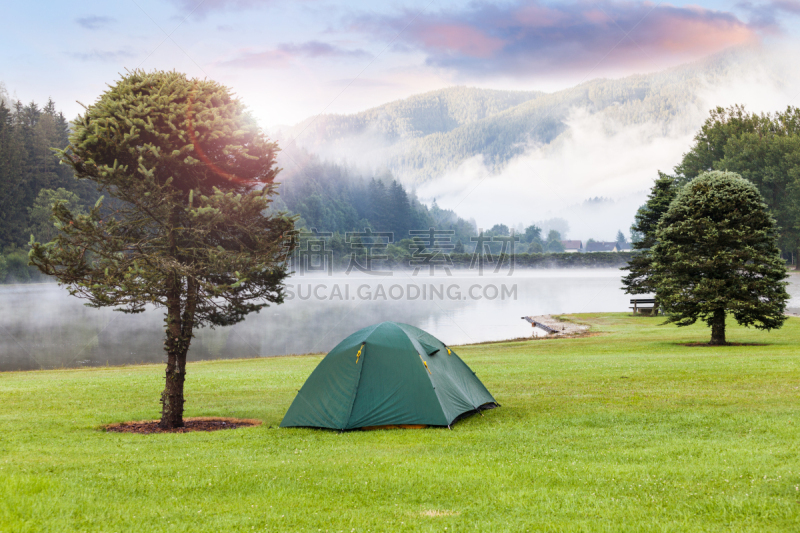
column 597, row 16
column 532, row 38
column 538, row 16
column 677, row 34
column 461, row 39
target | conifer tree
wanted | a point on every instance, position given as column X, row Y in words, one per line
column 41, row 214
column 716, row 253
column 533, row 233
column 620, row 239
column 193, row 177
column 12, row 193
column 639, row 281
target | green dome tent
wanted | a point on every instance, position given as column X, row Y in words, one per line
column 388, row 374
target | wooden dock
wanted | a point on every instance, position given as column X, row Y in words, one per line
column 539, row 325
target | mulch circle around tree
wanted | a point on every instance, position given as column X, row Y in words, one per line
column 147, row 427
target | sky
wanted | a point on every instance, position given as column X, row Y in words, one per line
column 289, row 60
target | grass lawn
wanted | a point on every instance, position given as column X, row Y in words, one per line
column 626, row 430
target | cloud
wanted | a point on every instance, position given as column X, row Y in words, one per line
column 320, row 49
column 103, row 55
column 283, row 55
column 767, row 15
column 95, row 22
column 555, row 180
column 201, row 8
column 532, row 38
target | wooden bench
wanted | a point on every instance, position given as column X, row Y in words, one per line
column 644, row 306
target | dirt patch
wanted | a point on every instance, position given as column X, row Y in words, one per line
column 202, row 423
column 726, row 344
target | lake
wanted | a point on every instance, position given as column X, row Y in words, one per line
column 42, row 326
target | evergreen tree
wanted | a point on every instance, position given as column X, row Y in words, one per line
column 378, row 212
column 400, row 209
column 4, row 99
column 639, row 281
column 196, row 178
column 12, row 193
column 716, row 252
column 41, row 214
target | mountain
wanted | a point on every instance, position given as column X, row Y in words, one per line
column 425, row 136
column 418, row 116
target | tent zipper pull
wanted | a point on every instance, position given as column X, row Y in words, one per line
column 424, row 363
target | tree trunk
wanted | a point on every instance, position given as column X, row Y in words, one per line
column 172, row 397
column 179, row 337
column 718, row 328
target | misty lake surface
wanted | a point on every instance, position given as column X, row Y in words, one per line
column 42, row 326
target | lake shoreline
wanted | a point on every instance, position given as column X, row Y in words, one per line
column 43, row 327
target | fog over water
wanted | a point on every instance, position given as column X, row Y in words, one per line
column 42, row 326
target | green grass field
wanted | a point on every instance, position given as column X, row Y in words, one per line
column 626, row 430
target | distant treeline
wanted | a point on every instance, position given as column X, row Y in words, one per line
column 30, row 171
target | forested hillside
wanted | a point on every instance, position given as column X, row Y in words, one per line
column 417, row 116
column 424, row 136
column 330, row 197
